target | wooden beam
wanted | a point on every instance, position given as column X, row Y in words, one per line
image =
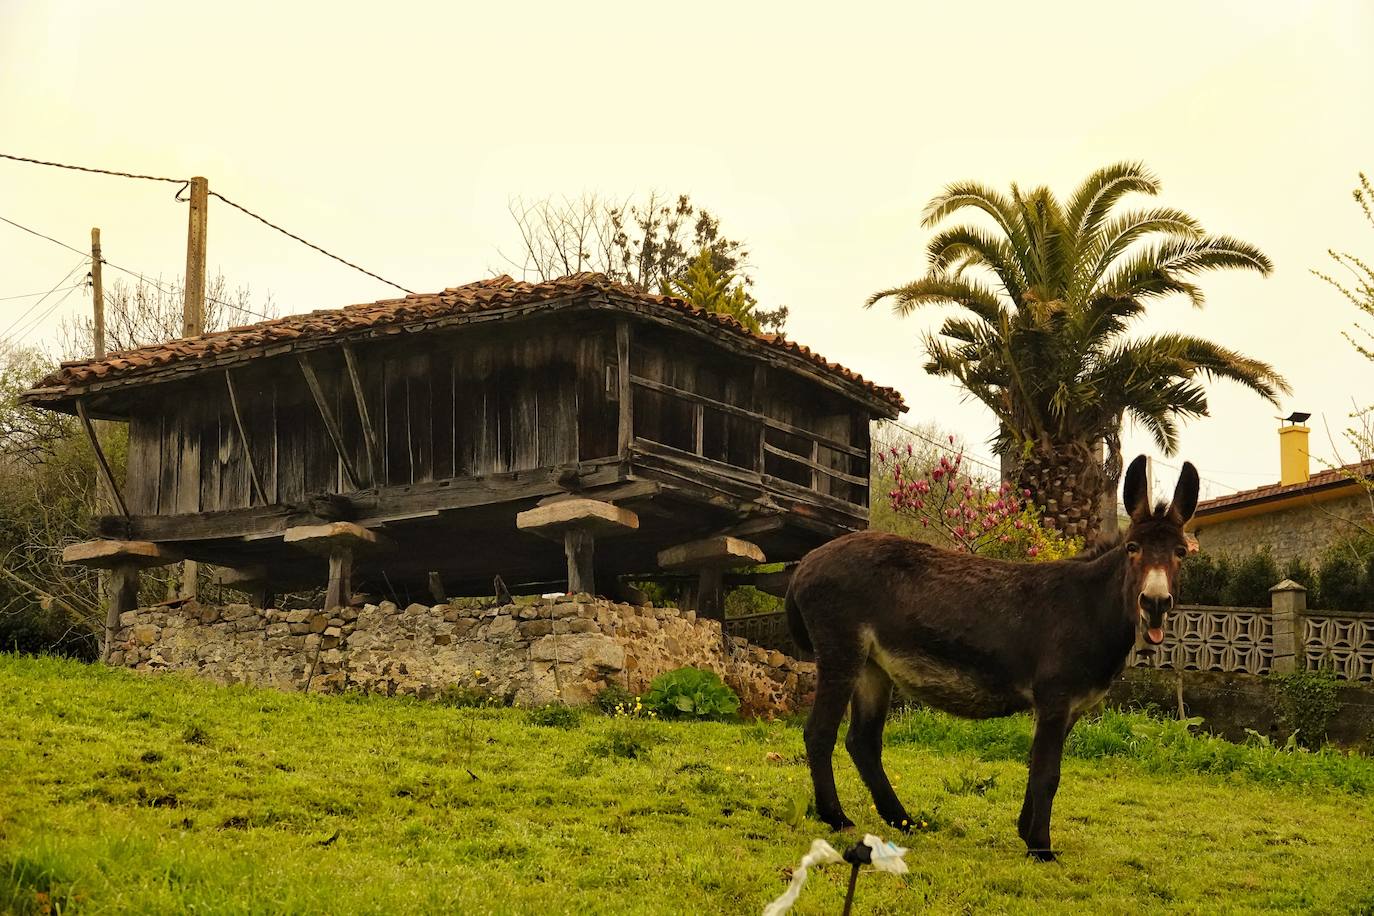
column 330, row 425
column 693, row 398
column 258, row 489
column 625, row 392
column 579, row 545
column 375, row 463
column 101, row 464
column 815, row 466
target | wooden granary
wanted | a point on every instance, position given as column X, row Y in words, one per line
column 546, row 432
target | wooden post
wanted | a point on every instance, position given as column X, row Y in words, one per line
column 710, row 558
column 577, row 522
column 193, row 306
column 627, row 404
column 579, row 546
column 340, row 588
column 710, row 601
column 97, row 298
column 121, row 596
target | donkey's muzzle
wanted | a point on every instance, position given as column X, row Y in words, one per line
column 1153, row 610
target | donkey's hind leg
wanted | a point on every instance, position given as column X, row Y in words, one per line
column 867, row 716
column 835, row 681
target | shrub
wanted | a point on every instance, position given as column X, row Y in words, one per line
column 613, row 697
column 1307, row 701
column 1301, row 572
column 629, row 739
column 554, row 715
column 1341, row 582
column 1202, row 579
column 1250, row 582
column 690, row 693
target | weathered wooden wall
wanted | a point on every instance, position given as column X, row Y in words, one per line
column 452, row 405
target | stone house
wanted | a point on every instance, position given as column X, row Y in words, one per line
column 1302, row 516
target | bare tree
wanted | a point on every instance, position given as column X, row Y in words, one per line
column 647, row 244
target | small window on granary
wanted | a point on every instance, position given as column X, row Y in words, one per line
column 612, row 381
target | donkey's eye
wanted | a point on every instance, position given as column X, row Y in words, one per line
column 1132, row 547
column 1181, row 552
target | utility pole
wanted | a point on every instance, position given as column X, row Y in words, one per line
column 193, row 311
column 97, row 296
column 193, row 315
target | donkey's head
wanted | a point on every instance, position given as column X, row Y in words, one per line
column 1155, row 545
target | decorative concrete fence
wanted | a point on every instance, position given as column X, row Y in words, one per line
column 1278, row 639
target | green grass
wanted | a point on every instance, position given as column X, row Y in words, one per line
column 120, row 793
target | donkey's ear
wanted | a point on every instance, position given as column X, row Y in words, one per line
column 1134, row 495
column 1185, row 494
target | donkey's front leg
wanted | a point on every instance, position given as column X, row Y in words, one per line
column 1047, row 752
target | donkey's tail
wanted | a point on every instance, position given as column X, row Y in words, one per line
column 797, row 625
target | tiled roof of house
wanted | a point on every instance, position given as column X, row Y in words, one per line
column 484, row 295
column 1318, row 481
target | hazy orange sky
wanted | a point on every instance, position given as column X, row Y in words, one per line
column 395, row 134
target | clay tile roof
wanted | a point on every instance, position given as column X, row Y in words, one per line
column 484, row 295
column 1322, row 480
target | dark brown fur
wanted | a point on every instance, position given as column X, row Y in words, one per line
column 977, row 637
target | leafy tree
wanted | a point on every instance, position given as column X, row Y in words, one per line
column 648, row 244
column 1047, row 295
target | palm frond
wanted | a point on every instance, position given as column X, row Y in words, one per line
column 1096, row 196
column 940, row 289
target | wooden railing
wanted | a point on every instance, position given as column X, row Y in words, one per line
column 853, row 457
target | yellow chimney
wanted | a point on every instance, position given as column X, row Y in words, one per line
column 1293, row 466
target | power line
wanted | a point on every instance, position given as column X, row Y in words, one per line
column 43, row 317
column 82, row 168
column 29, row 295
column 24, row 314
column 945, row 445
column 265, row 222
column 133, row 273
column 235, row 205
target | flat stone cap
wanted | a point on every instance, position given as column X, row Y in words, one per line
column 583, row 514
column 328, row 536
column 719, row 551
column 107, row 554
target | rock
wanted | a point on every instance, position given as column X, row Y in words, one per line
column 318, row 622
column 501, row 626
column 532, row 629
column 529, row 612
column 333, row 630
column 128, row 618
column 299, row 629
column 443, row 639
column 387, row 607
column 300, row 615
column 145, row 634
column 413, row 610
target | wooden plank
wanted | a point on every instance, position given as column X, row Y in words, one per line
column 419, row 416
column 259, row 491
column 625, row 393
column 441, row 414
column 330, row 425
column 186, row 440
column 375, row 461
column 102, row 465
column 208, row 431
column 815, row 466
column 289, row 434
column 107, row 554
column 142, row 469
column 399, row 464
column 693, row 397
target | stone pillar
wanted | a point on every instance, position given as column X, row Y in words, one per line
column 1289, row 601
column 578, row 523
column 709, row 559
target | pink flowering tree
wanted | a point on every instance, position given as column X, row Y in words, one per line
column 967, row 514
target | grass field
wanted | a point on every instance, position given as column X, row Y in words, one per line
column 120, row 793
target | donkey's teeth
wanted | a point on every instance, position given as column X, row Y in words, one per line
column 1155, row 635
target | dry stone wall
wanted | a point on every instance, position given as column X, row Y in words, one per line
column 552, row 650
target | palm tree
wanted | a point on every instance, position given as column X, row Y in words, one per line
column 1047, row 295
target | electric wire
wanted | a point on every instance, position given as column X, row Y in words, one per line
column 33, row 325
column 29, row 295
column 234, row 204
column 133, row 273
column 24, row 314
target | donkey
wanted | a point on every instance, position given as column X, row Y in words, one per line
column 979, row 638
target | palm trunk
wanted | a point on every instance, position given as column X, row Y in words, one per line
column 1066, row 482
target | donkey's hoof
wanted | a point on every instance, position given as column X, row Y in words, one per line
column 839, row 824
column 1042, row 855
column 902, row 823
